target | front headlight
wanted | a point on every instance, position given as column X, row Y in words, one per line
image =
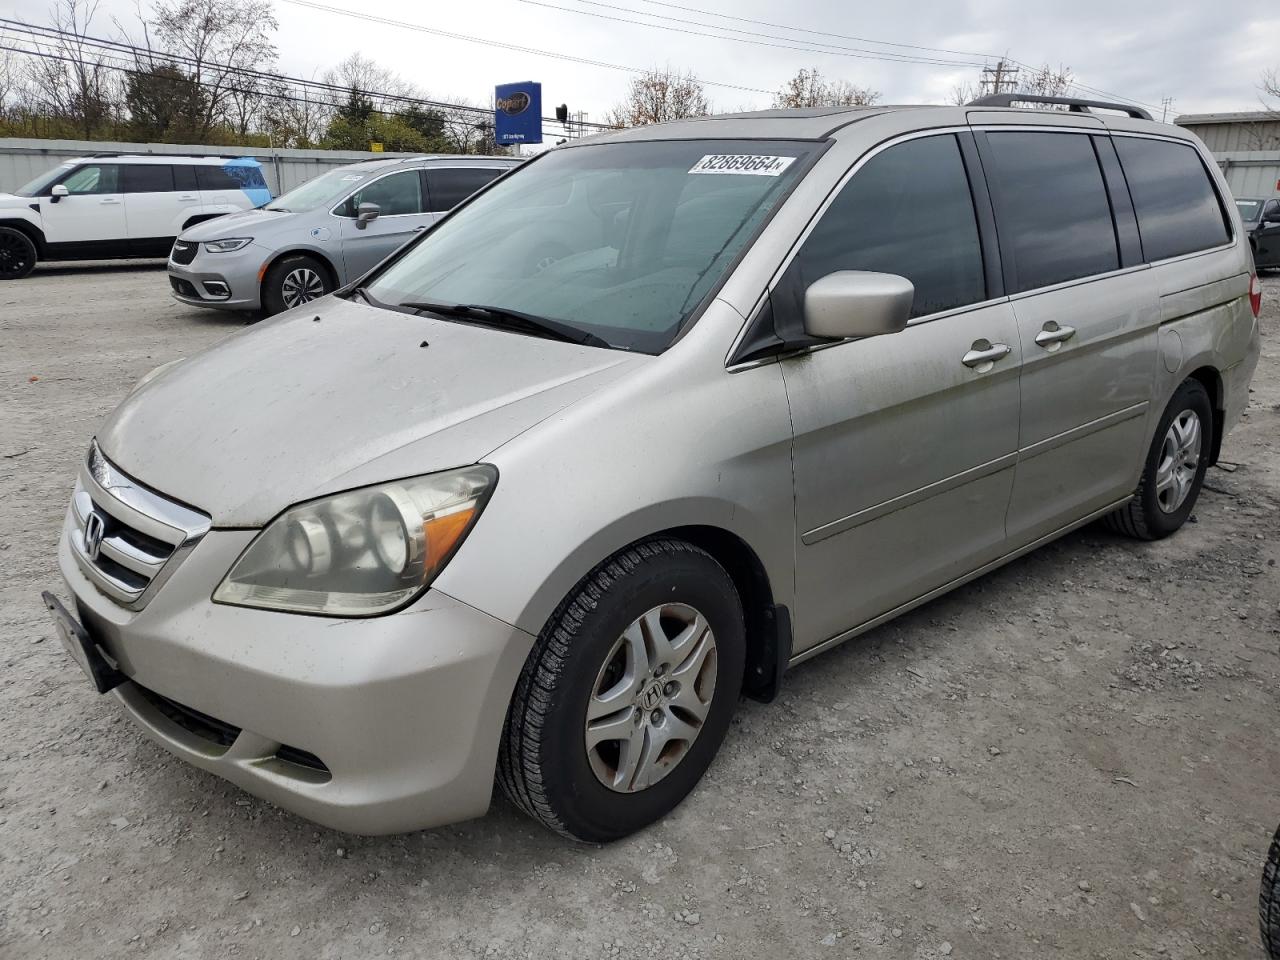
column 226, row 246
column 360, row 553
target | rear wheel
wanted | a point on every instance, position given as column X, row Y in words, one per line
column 1174, row 470
column 17, row 254
column 293, row 281
column 627, row 694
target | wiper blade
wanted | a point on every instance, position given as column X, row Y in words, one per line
column 506, row 317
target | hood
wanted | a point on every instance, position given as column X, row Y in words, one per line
column 8, row 201
column 235, row 224
column 339, row 396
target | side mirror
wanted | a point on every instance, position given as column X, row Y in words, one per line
column 58, row 192
column 366, row 213
column 1272, row 215
column 856, row 303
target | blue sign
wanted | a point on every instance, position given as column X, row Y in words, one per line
column 517, row 112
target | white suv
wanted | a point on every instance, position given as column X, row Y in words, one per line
column 103, row 207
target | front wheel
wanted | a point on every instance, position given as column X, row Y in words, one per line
column 628, row 693
column 293, row 281
column 1269, row 901
column 17, row 254
column 1174, row 469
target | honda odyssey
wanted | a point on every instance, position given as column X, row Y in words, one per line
column 637, row 428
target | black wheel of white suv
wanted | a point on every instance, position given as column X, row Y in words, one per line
column 627, row 694
column 1173, row 472
column 293, row 281
column 17, row 254
column 1269, row 901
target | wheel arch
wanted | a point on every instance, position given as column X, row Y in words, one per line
column 29, row 229
column 1211, row 380
column 323, row 258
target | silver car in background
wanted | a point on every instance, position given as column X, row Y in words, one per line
column 637, row 428
column 323, row 234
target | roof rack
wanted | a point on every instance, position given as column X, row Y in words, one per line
column 1076, row 105
column 173, row 156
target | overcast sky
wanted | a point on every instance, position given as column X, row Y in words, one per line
column 1204, row 55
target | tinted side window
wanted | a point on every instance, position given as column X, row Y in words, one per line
column 146, row 178
column 1051, row 207
column 907, row 211
column 397, row 194
column 1178, row 209
column 448, row 187
column 215, row 178
column 184, row 178
column 93, row 178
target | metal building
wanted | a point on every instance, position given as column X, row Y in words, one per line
column 1246, row 146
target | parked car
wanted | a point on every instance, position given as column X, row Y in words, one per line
column 799, row 372
column 1262, row 226
column 106, row 207
column 317, row 237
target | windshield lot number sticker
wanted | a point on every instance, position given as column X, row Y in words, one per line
column 742, row 163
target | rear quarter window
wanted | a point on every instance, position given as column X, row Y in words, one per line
column 449, row 186
column 230, row 177
column 1178, row 208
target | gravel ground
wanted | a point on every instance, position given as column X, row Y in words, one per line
column 1074, row 757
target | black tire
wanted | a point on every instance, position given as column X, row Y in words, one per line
column 276, row 289
column 1143, row 518
column 1269, row 901
column 17, row 254
column 543, row 764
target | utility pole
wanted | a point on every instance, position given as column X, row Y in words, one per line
column 1165, row 106
column 1002, row 78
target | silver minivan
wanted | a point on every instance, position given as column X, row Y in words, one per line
column 640, row 426
column 316, row 237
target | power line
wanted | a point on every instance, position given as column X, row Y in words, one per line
column 50, row 34
column 836, row 49
column 405, row 25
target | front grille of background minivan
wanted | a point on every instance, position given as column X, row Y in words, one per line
column 126, row 538
column 183, row 252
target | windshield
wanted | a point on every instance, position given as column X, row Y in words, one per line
column 322, row 191
column 619, row 240
column 1248, row 209
column 41, row 183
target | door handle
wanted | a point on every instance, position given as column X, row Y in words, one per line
column 187, row 196
column 1052, row 335
column 983, row 355
column 107, row 200
column 419, row 229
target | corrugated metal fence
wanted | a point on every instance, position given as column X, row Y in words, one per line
column 1251, row 173
column 22, row 160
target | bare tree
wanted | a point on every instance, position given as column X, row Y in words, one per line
column 659, row 95
column 1047, row 81
column 219, row 40
column 75, row 83
column 380, row 85
column 808, row 88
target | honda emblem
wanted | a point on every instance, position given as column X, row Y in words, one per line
column 94, row 529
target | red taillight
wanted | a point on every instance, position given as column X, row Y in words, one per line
column 1255, row 294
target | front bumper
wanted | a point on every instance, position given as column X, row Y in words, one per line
column 197, row 283
column 404, row 712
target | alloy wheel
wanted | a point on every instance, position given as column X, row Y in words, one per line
column 651, row 697
column 14, row 256
column 301, row 286
column 1179, row 461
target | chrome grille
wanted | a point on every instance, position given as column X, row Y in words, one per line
column 127, row 538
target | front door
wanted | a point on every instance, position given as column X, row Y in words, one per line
column 904, row 444
column 90, row 219
column 1087, row 325
column 401, row 215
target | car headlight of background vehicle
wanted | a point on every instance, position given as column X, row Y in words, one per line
column 359, row 553
column 226, row 246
